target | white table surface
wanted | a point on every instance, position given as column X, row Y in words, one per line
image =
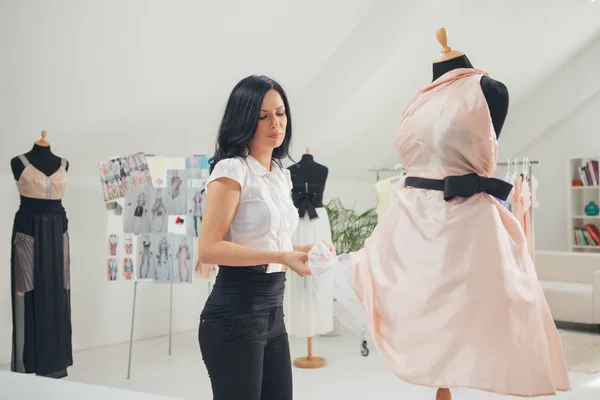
column 31, row 387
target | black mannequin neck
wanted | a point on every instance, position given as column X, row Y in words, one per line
column 307, row 158
column 441, row 68
column 41, row 151
column 41, row 157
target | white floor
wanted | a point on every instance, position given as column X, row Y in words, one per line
column 349, row 375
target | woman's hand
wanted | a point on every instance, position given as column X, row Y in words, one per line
column 306, row 247
column 330, row 247
column 296, row 261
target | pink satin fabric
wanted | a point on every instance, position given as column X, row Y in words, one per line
column 449, row 288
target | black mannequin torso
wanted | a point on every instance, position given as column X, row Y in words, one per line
column 41, row 158
column 307, row 170
column 308, row 179
column 495, row 92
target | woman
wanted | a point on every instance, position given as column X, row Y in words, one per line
column 247, row 230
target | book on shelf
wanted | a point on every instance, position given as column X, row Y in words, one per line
column 589, row 235
column 588, row 172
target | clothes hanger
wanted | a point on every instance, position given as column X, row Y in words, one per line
column 507, row 169
column 513, row 178
column 397, row 167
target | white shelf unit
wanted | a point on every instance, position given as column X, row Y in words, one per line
column 578, row 197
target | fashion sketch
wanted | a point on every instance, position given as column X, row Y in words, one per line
column 125, row 174
column 146, row 261
column 113, row 244
column 192, row 163
column 112, row 269
column 177, row 191
column 183, row 265
column 127, row 269
column 159, row 221
column 156, row 164
column 140, row 174
column 196, row 204
column 128, row 244
column 136, row 216
column 164, row 258
column 106, row 175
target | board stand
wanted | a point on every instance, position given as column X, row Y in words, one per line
column 135, row 286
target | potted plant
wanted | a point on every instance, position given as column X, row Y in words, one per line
column 349, row 229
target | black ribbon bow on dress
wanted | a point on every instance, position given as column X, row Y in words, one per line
column 306, row 202
column 463, row 186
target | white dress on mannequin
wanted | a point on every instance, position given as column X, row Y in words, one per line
column 308, row 306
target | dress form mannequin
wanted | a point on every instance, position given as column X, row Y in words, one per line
column 40, row 266
column 495, row 92
column 40, row 157
column 308, row 178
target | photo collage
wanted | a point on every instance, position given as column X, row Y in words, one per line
column 124, row 175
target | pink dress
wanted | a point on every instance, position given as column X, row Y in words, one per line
column 450, row 292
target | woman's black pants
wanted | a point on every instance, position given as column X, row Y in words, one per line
column 247, row 355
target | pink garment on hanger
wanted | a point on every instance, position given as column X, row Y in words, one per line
column 522, row 201
column 449, row 288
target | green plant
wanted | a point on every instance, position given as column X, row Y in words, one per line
column 349, row 229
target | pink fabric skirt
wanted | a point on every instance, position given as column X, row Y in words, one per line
column 452, row 298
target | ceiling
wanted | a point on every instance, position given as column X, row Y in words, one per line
column 118, row 76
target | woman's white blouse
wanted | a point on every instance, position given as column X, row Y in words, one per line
column 266, row 217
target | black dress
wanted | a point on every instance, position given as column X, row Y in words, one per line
column 40, row 277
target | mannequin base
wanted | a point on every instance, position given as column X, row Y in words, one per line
column 443, row 394
column 310, row 362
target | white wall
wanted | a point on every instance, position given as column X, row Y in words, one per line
column 576, row 135
column 562, row 94
column 358, row 196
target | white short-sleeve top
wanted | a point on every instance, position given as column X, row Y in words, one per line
column 266, row 217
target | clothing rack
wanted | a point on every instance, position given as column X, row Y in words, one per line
column 396, row 168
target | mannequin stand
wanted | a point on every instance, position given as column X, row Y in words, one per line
column 310, row 362
column 443, row 394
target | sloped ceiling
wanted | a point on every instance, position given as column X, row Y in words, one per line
column 117, row 76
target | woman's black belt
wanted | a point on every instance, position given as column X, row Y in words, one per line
column 463, row 186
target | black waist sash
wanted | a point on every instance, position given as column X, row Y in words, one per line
column 463, row 186
column 40, row 206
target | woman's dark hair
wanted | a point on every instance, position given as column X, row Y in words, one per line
column 240, row 120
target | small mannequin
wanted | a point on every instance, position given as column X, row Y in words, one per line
column 40, row 158
column 495, row 92
column 309, row 177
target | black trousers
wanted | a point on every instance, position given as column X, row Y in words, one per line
column 247, row 355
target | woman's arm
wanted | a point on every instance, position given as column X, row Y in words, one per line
column 221, row 203
column 305, row 248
